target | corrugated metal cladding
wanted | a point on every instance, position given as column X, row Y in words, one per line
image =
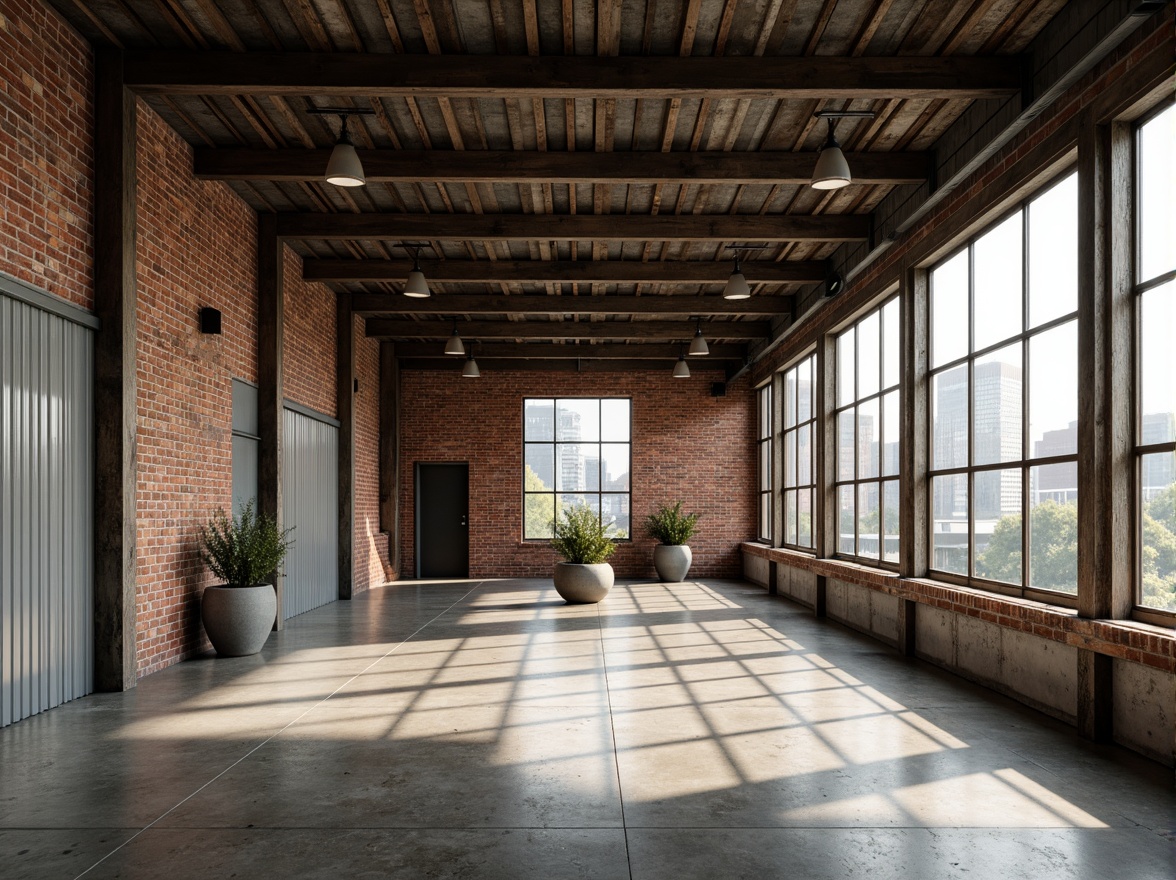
column 46, row 510
column 310, row 503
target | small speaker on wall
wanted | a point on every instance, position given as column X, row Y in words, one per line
column 718, row 389
column 210, row 320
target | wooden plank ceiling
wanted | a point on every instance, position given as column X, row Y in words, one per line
column 574, row 173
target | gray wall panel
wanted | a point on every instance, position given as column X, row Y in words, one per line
column 46, row 510
column 310, row 503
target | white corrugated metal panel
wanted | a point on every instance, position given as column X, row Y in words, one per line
column 310, row 492
column 46, row 510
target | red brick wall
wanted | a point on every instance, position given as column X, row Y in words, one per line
column 196, row 247
column 686, row 445
column 308, row 340
column 46, row 152
column 371, row 566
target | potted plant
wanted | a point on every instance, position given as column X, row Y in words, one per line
column 243, row 551
column 673, row 528
column 580, row 539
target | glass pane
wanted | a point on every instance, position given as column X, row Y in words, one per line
column 869, row 366
column 538, row 512
column 997, row 309
column 804, row 517
column 789, row 459
column 845, row 444
column 845, row 368
column 1157, row 364
column 765, row 412
column 577, row 467
column 790, row 398
column 868, row 520
column 1157, row 195
column 1158, row 531
column 996, row 406
column 804, row 390
column 846, row 518
column 997, row 525
column 614, row 467
column 539, row 420
column 765, row 466
column 891, row 431
column 1054, row 482
column 614, row 420
column 868, row 428
column 804, row 455
column 765, row 517
column 790, row 517
column 1053, row 391
column 577, row 420
column 890, row 344
column 1053, row 252
column 568, row 501
column 949, row 310
column 1053, row 531
column 949, row 527
column 615, row 514
column 890, row 519
column 539, row 470
column 949, row 418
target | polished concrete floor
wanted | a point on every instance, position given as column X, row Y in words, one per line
column 486, row 729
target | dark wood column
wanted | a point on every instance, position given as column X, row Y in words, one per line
column 270, row 394
column 345, row 385
column 1105, row 435
column 390, row 452
column 914, row 505
column 115, row 667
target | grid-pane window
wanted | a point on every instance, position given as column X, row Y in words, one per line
column 1156, row 314
column 576, row 451
column 1004, row 400
column 797, row 441
column 867, row 426
column 764, row 450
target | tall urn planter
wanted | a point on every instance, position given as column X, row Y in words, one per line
column 672, row 562
column 672, row 557
column 579, row 538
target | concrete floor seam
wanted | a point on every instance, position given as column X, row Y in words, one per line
column 613, row 733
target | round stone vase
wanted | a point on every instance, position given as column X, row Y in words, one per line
column 238, row 620
column 582, row 584
column 672, row 562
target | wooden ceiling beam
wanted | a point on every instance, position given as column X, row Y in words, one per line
column 368, row 304
column 583, row 271
column 580, row 227
column 158, row 72
column 384, row 328
column 499, row 166
column 591, row 351
column 440, row 363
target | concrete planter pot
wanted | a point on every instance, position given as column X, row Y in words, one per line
column 238, row 620
column 672, row 562
column 581, row 584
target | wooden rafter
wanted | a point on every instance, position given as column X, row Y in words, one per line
column 385, row 328
column 395, row 304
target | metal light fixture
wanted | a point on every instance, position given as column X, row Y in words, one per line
column 736, row 285
column 698, row 343
column 416, row 285
column 454, row 345
column 681, row 370
column 832, row 169
column 470, row 370
column 344, row 167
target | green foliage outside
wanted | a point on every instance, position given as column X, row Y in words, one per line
column 243, row 551
column 1053, row 563
column 670, row 525
column 1159, row 551
column 539, row 509
column 579, row 536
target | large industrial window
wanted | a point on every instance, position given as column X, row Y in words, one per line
column 797, row 442
column 1156, row 313
column 764, row 448
column 576, row 451
column 867, row 428
column 1004, row 400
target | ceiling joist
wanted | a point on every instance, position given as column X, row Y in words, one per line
column 597, row 351
column 565, row 365
column 383, row 328
column 395, row 304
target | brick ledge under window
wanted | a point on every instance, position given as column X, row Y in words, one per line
column 1126, row 639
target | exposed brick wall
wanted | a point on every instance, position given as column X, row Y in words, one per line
column 686, row 445
column 308, row 340
column 46, row 152
column 370, row 566
column 196, row 247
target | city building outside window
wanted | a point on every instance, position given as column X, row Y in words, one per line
column 576, row 451
column 797, row 482
column 1004, row 400
column 764, row 449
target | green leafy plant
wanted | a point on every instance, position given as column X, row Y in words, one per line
column 243, row 551
column 670, row 525
column 579, row 536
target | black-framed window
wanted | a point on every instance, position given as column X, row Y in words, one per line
column 1155, row 297
column 1004, row 400
column 867, row 425
column 764, row 454
column 797, row 439
column 576, row 451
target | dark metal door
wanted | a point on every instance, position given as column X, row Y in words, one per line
column 442, row 520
